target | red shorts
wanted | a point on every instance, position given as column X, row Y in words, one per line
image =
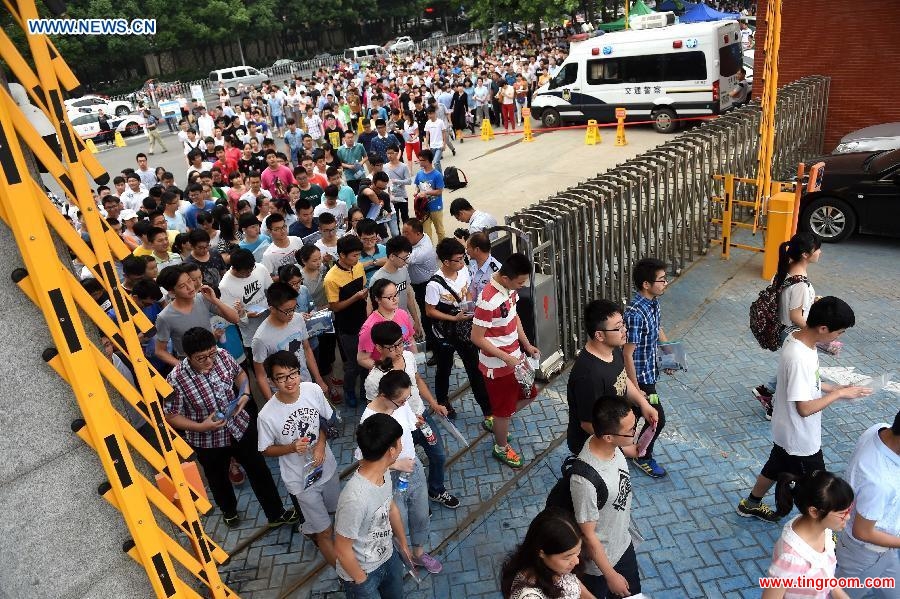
column 504, row 393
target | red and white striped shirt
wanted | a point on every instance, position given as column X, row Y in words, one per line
column 495, row 310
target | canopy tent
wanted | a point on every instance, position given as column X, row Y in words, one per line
column 702, row 12
column 676, row 6
column 638, row 8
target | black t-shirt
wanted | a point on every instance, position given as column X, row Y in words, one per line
column 591, row 378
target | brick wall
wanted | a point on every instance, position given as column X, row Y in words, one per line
column 853, row 42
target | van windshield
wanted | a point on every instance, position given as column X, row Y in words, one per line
column 566, row 76
column 731, row 58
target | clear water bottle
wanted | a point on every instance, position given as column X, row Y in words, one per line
column 430, row 437
column 403, row 482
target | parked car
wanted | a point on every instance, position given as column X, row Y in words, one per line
column 232, row 77
column 436, row 35
column 860, row 193
column 282, row 62
column 132, row 124
column 91, row 103
column 870, row 139
column 87, row 124
column 401, row 44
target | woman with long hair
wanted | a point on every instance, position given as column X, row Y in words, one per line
column 806, row 545
column 545, row 565
column 795, row 298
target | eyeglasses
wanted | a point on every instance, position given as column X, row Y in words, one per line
column 662, row 280
column 619, row 327
column 329, row 230
column 281, row 229
column 202, row 358
column 285, row 312
column 399, row 257
column 390, row 297
column 393, row 346
column 629, row 435
column 457, row 260
column 289, row 376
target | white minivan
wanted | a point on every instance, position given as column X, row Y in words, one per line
column 232, row 77
column 365, row 54
column 659, row 74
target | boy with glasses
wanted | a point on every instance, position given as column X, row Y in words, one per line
column 332, row 205
column 644, row 333
column 374, row 255
column 290, row 429
column 599, row 371
column 327, row 244
column 204, row 384
column 283, row 329
column 611, row 567
column 800, row 397
column 283, row 247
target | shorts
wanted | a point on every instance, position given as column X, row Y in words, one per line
column 504, row 393
column 317, row 504
column 278, row 120
column 781, row 462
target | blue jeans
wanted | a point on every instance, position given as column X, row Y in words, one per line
column 437, row 159
column 385, row 582
column 413, row 506
column 436, row 456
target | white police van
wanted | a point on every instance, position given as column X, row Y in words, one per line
column 660, row 73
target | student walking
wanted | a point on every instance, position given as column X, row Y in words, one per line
column 800, row 397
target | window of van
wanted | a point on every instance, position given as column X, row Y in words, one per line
column 227, row 75
column 252, row 72
column 240, row 73
column 731, row 58
column 566, row 76
column 681, row 66
column 213, row 76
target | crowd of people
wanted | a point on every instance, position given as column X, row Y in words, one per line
column 303, row 237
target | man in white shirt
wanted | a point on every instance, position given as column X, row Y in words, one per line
column 332, row 205
column 254, row 180
column 205, row 123
column 133, row 196
column 435, row 136
column 283, row 247
column 246, row 282
column 477, row 220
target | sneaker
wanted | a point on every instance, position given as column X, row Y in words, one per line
column 745, row 509
column 764, row 397
column 287, row 517
column 350, row 398
column 445, row 499
column 429, row 563
column 649, row 467
column 508, row 456
column 236, row 474
column 231, row 521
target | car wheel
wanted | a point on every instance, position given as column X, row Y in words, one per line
column 550, row 118
column 132, row 128
column 664, row 120
column 831, row 219
column 121, row 111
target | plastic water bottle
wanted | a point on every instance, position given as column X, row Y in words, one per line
column 403, row 482
column 430, row 437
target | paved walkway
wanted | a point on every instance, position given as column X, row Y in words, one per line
column 713, row 447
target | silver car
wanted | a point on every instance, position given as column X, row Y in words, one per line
column 870, row 139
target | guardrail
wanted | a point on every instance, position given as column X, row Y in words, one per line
column 658, row 203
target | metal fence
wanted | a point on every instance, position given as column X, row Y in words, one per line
column 658, row 203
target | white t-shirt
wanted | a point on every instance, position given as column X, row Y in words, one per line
column 134, row 200
column 251, row 292
column 282, row 423
column 435, row 292
column 799, row 295
column 798, row 380
column 275, row 257
column 331, row 250
column 435, row 131
column 339, row 211
column 407, row 420
column 874, row 474
column 409, row 367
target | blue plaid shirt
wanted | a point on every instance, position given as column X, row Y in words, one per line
column 642, row 320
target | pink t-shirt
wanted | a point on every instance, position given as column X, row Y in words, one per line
column 268, row 177
column 401, row 317
column 793, row 557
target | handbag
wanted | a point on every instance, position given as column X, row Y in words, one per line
column 451, row 330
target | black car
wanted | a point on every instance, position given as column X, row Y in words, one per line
column 860, row 192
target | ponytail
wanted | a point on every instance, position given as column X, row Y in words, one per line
column 819, row 489
column 792, row 251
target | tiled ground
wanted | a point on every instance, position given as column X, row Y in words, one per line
column 713, row 446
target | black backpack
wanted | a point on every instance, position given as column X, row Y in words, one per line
column 561, row 494
column 764, row 321
column 452, row 179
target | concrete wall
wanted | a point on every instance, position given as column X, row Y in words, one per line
column 58, row 537
column 854, row 43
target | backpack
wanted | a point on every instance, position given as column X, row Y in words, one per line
column 561, row 494
column 764, row 321
column 420, row 207
column 452, row 180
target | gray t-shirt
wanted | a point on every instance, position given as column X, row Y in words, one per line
column 270, row 338
column 364, row 516
column 172, row 323
column 399, row 278
column 614, row 517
